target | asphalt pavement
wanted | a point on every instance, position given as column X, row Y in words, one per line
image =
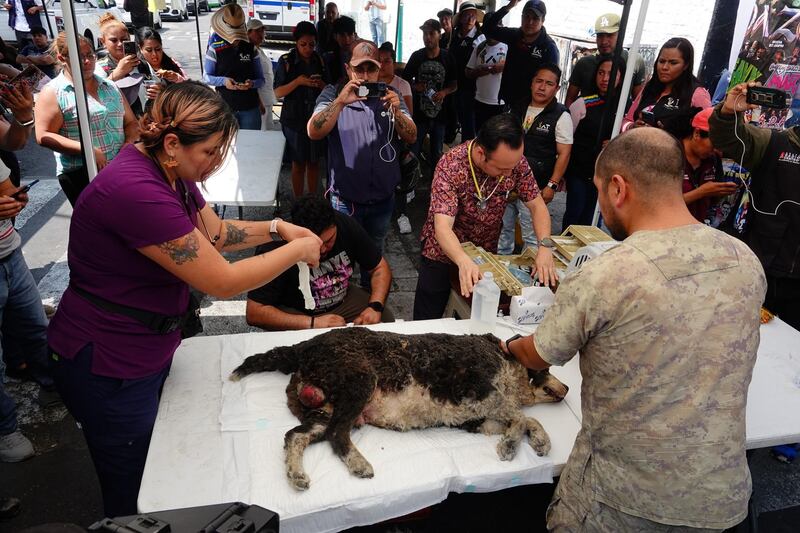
column 58, row 485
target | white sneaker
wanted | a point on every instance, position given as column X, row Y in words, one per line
column 404, row 224
column 15, row 447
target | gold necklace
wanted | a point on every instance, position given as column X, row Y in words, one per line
column 482, row 202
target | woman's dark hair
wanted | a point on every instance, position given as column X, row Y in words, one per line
column 606, row 58
column 314, row 213
column 343, row 25
column 504, row 128
column 146, row 33
column 192, row 111
column 682, row 88
column 303, row 29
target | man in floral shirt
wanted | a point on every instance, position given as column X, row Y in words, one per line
column 471, row 187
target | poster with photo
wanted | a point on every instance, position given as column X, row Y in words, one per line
column 770, row 54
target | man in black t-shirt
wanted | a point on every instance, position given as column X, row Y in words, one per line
column 279, row 305
column 432, row 74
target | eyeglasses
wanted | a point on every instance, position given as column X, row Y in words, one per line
column 86, row 58
column 365, row 68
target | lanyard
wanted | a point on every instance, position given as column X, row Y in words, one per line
column 482, row 202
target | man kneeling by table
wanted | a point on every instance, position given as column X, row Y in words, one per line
column 667, row 325
column 279, row 305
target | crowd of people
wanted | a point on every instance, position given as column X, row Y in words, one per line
column 357, row 120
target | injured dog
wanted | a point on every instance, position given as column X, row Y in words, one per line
column 352, row 376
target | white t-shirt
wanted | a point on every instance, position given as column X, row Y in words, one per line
column 563, row 126
column 401, row 85
column 487, row 88
column 21, row 24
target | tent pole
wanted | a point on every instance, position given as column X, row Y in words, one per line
column 197, row 29
column 625, row 90
column 81, row 103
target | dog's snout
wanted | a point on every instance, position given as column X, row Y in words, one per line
column 557, row 395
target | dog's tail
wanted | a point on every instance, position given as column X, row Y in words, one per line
column 282, row 358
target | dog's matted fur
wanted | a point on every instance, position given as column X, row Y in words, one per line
column 352, row 376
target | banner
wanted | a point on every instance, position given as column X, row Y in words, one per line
column 770, row 54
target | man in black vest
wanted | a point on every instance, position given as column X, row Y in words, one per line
column 773, row 158
column 548, row 143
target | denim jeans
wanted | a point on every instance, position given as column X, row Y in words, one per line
column 581, row 201
column 436, row 130
column 23, row 326
column 506, row 244
column 374, row 218
column 377, row 27
column 249, row 119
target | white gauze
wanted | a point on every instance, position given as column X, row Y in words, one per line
column 305, row 285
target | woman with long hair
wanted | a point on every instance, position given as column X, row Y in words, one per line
column 140, row 237
column 111, row 120
column 151, row 50
column 587, row 142
column 299, row 80
column 671, row 89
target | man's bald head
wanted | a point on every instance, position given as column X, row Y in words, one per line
column 650, row 159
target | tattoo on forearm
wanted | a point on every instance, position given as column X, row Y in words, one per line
column 234, row 235
column 323, row 116
column 181, row 250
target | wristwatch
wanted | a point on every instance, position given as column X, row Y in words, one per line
column 547, row 242
column 376, row 306
column 273, row 229
column 553, row 185
column 508, row 342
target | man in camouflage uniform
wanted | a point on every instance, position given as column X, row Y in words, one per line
column 667, row 324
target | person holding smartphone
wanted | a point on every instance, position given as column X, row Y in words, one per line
column 672, row 88
column 140, row 237
column 111, row 120
column 299, row 81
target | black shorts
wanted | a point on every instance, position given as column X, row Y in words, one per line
column 300, row 148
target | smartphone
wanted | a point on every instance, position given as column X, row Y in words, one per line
column 648, row 117
column 129, row 47
column 24, row 189
column 767, row 97
column 316, row 76
column 30, row 76
column 372, row 89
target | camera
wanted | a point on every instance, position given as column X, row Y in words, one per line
column 372, row 89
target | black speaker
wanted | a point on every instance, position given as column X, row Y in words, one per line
column 220, row 518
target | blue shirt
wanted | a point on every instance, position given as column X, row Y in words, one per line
column 363, row 160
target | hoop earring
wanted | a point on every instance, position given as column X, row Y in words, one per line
column 170, row 163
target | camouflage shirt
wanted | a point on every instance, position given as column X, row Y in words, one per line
column 667, row 324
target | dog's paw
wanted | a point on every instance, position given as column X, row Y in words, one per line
column 360, row 467
column 299, row 480
column 507, row 449
column 540, row 443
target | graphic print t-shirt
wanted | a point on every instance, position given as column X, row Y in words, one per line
column 435, row 74
column 330, row 280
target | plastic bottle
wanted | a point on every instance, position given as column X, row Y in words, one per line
column 485, row 300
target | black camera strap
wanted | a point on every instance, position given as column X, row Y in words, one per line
column 161, row 324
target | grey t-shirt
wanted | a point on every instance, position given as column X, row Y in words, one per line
column 9, row 238
column 585, row 68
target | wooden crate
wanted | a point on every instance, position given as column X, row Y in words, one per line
column 488, row 262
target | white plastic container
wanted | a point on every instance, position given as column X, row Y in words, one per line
column 485, row 300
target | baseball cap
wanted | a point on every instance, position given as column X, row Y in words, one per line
column 431, row 24
column 537, row 6
column 700, row 120
column 364, row 51
column 254, row 24
column 607, row 23
column 446, row 12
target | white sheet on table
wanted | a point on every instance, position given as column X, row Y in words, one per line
column 412, row 470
